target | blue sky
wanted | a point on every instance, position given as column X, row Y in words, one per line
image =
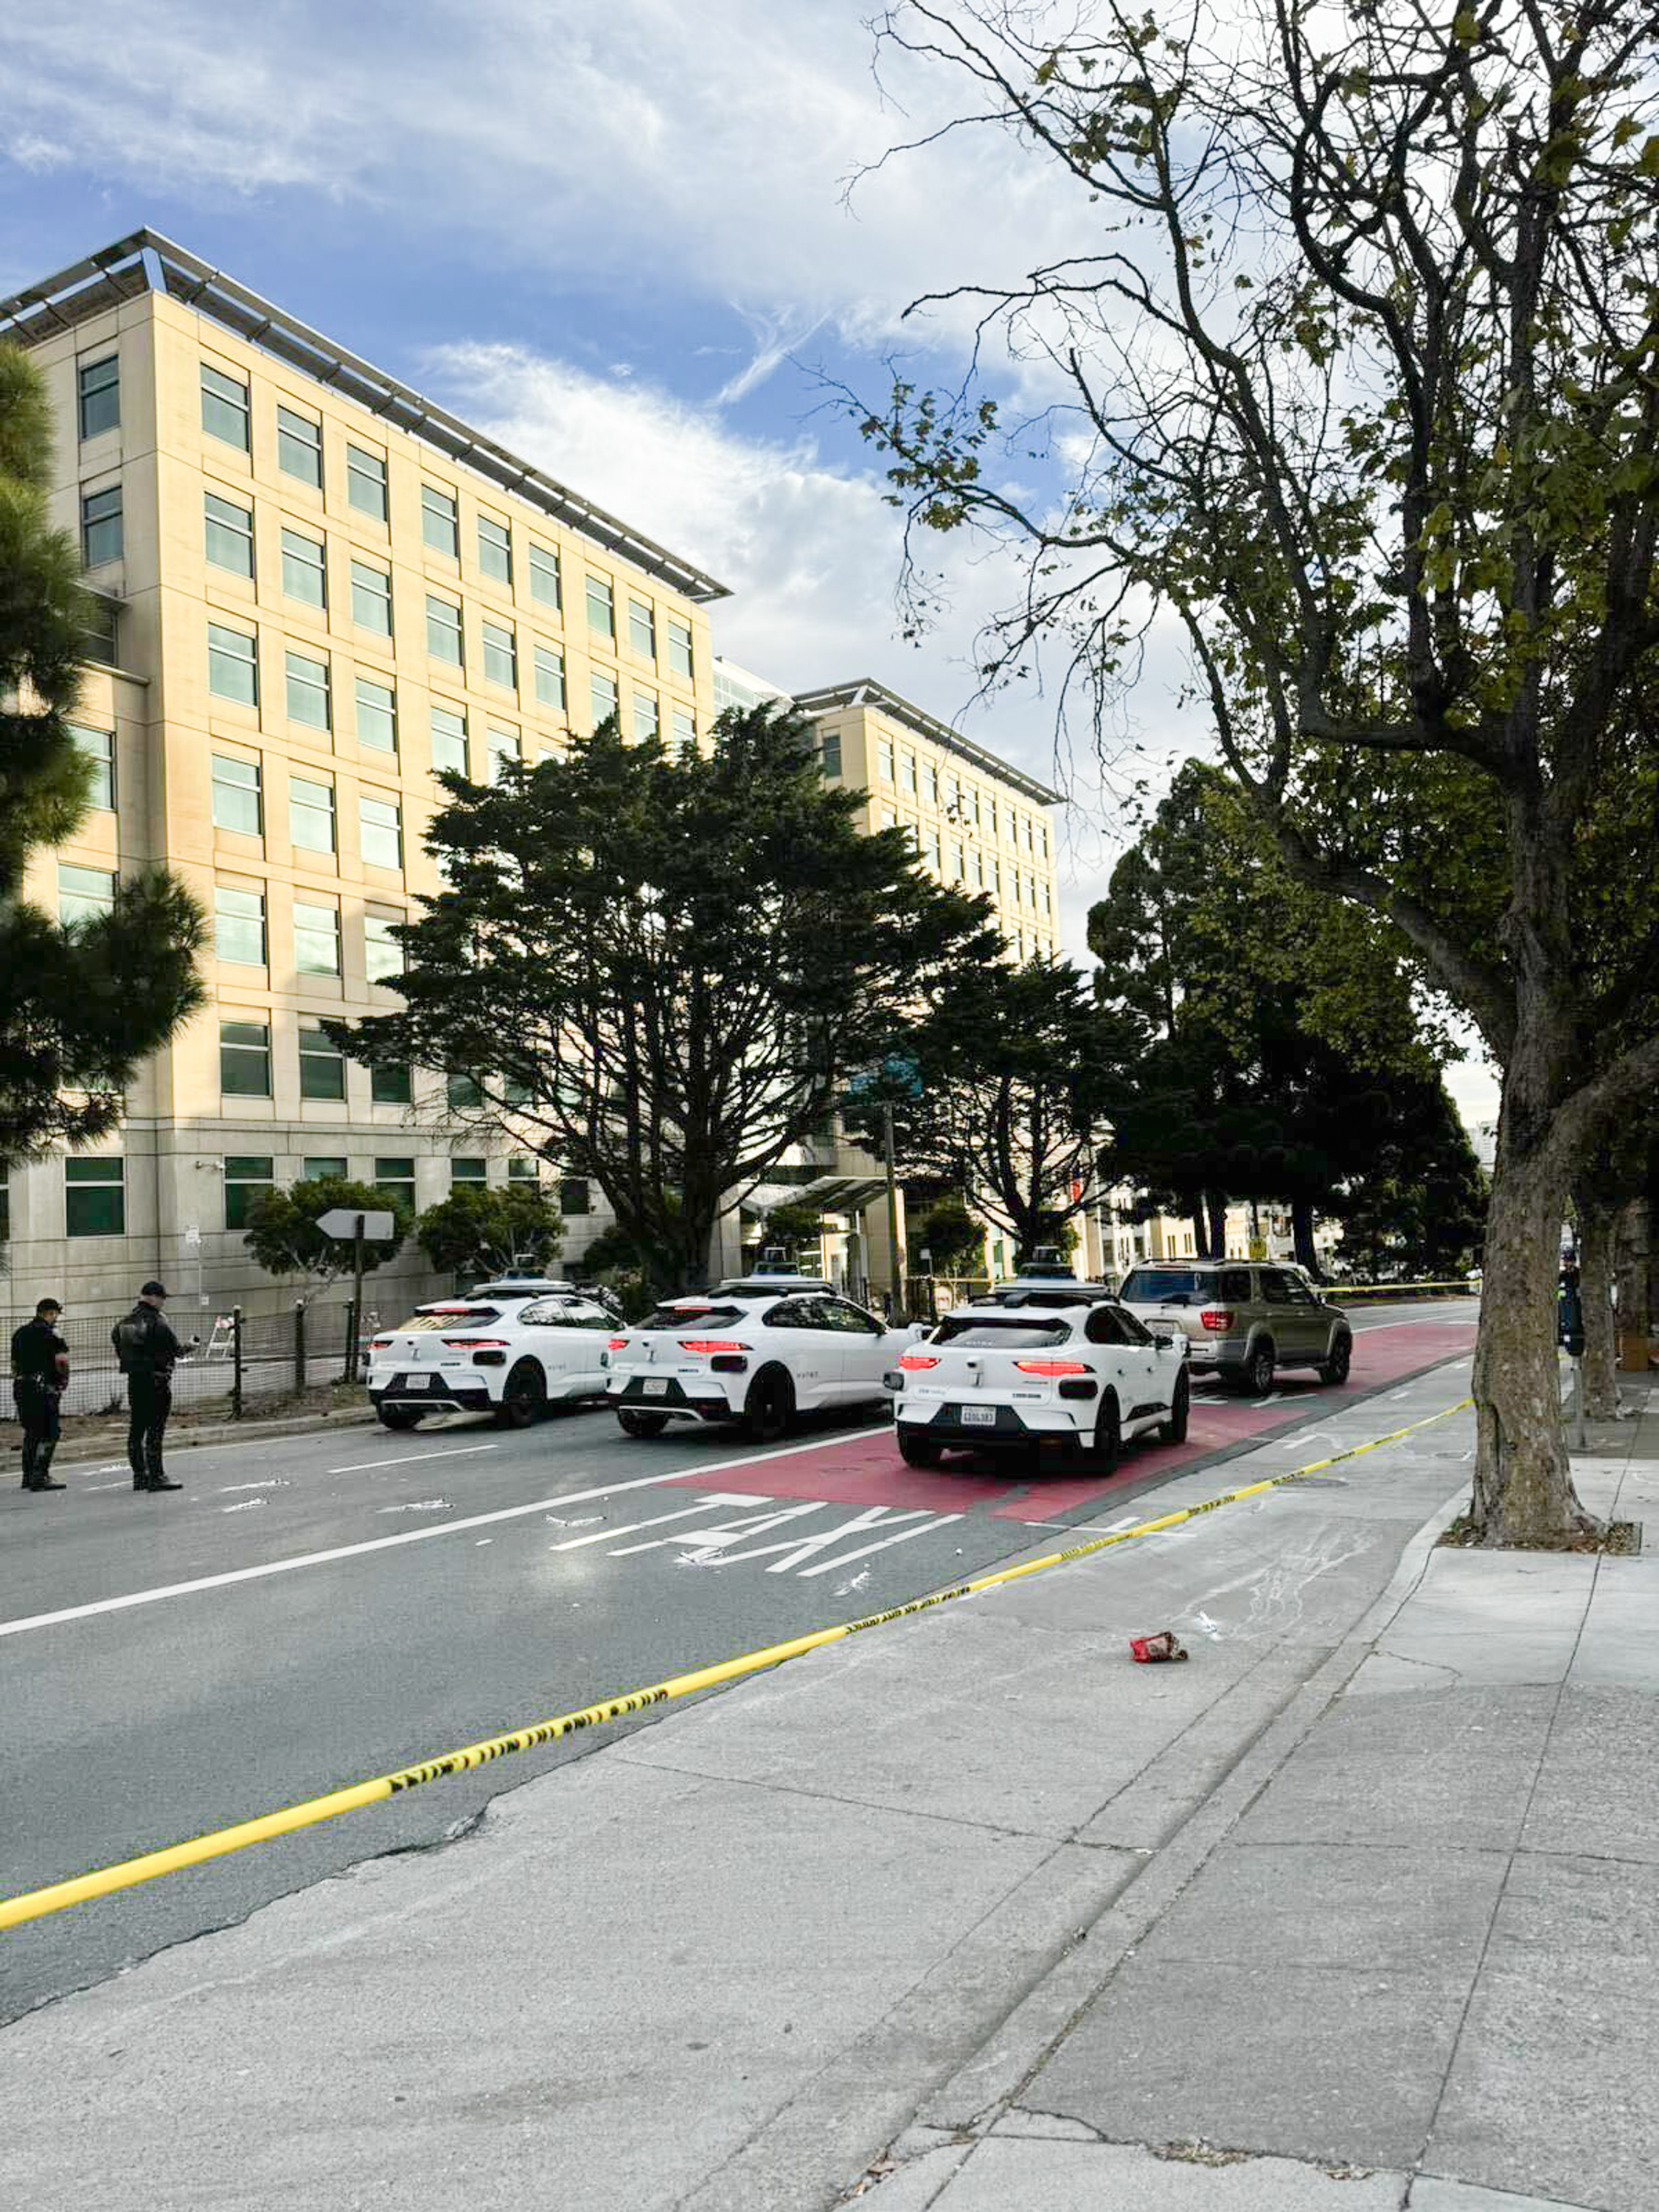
column 616, row 233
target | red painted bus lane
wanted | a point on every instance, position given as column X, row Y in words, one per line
column 867, row 1470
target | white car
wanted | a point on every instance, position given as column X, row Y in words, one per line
column 1052, row 1368
column 510, row 1348
column 755, row 1353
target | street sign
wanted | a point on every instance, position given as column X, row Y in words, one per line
column 342, row 1221
column 192, row 1238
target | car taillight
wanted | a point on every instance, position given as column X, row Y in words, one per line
column 916, row 1363
column 379, row 1343
column 1052, row 1367
column 476, row 1343
column 1218, row 1319
column 616, row 1343
column 711, row 1344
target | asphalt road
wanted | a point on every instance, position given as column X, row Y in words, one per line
column 314, row 1611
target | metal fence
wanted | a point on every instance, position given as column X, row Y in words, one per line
column 238, row 1358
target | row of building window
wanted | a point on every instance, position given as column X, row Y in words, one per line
column 969, row 867
column 239, row 925
column 228, row 417
column 962, row 802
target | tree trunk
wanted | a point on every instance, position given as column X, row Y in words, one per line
column 1215, row 1205
column 1523, row 1492
column 1596, row 1224
column 1302, row 1230
column 1634, row 1227
column 1201, row 1231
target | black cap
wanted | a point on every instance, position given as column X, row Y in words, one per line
column 154, row 1290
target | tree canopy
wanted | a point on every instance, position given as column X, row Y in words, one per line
column 487, row 1229
column 282, row 1235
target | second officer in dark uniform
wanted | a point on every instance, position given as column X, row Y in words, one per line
column 146, row 1349
column 39, row 1370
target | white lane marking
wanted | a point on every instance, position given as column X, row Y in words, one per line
column 829, row 1566
column 247, row 1506
column 711, row 1540
column 630, row 1527
column 404, row 1537
column 877, row 1516
column 108, row 1486
column 362, row 1466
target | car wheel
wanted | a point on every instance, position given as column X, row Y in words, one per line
column 769, row 1408
column 1174, row 1431
column 1256, row 1375
column 525, row 1396
column 642, row 1425
column 918, row 1451
column 397, row 1417
column 1109, row 1435
column 1335, row 1369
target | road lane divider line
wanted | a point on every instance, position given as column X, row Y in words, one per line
column 220, row 1843
column 408, row 1459
column 297, row 1559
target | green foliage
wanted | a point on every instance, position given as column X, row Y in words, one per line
column 1422, row 1197
column 80, row 1006
column 671, row 962
column 792, row 1224
column 485, row 1229
column 949, row 1232
column 282, row 1234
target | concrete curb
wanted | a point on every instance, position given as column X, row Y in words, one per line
column 74, row 1453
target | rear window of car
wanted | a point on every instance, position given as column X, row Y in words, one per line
column 678, row 1316
column 1167, row 1286
column 1010, row 1336
column 436, row 1317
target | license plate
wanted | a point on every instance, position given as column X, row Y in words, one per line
column 423, row 1382
column 979, row 1417
column 656, row 1386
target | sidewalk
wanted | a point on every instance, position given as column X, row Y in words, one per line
column 971, row 1911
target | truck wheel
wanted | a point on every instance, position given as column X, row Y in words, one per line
column 1335, row 1369
column 1256, row 1377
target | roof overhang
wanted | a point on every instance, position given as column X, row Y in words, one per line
column 865, row 692
column 144, row 261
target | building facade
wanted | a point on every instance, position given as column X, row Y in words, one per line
column 320, row 590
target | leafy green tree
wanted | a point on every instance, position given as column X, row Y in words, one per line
column 792, row 1224
column 948, row 1230
column 483, row 1228
column 1387, row 454
column 1421, row 1195
column 282, row 1235
column 80, row 1004
column 670, row 964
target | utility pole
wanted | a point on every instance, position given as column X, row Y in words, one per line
column 892, row 1213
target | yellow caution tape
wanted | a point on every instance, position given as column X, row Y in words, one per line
column 37, row 1904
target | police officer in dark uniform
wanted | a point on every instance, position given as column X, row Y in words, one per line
column 39, row 1371
column 147, row 1350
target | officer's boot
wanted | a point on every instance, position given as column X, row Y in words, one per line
column 136, row 1462
column 43, row 1469
column 28, row 1462
column 158, row 1479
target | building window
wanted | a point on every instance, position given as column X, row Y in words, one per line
column 366, row 483
column 322, row 1065
column 383, row 956
column 94, row 1197
column 316, row 938
column 311, row 815
column 100, row 526
column 326, row 1167
column 573, row 1195
column 544, row 576
column 549, row 677
column 462, row 1093
column 443, row 631
column 307, row 691
column 992, row 804
column 228, row 534
column 449, row 740
column 601, row 698
column 930, row 851
column 932, row 787
column 224, row 408
column 380, row 827
column 100, row 641
column 979, row 871
column 684, row 728
column 84, row 894
column 233, row 666
column 679, row 647
column 397, row 1179
column 247, row 1178
column 441, row 524
column 100, row 386
column 910, row 774
column 494, row 549
column 469, row 1170
column 244, row 1060
column 500, row 656
column 524, row 1167
column 304, row 568
column 239, row 927
column 959, row 865
column 236, row 796
column 300, row 446
column 829, row 753
column 1043, row 839
column 996, row 878
column 98, row 747
column 371, row 599
column 648, row 718
column 884, row 759
column 389, row 1083
column 377, row 715
column 642, row 628
column 503, row 745
column 601, row 608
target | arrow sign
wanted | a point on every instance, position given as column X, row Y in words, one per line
column 345, row 1221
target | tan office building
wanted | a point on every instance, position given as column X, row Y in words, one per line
column 320, row 588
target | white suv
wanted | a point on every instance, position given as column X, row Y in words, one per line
column 1052, row 1368
column 755, row 1353
column 509, row 1348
